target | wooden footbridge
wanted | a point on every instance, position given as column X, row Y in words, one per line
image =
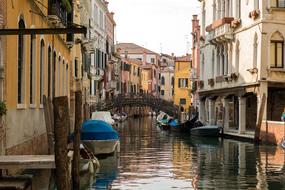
column 136, row 100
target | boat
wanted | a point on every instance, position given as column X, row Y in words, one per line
column 163, row 120
column 183, row 127
column 100, row 137
column 104, row 116
column 206, row 131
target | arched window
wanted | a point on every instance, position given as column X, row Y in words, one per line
column 237, row 57
column 58, row 76
column 256, row 4
column 63, row 78
column 162, row 80
column 66, row 76
column 172, row 81
column 276, row 50
column 53, row 74
column 255, row 45
column 213, row 64
column 32, row 68
column 21, row 64
column 42, row 60
column 214, row 10
column 49, row 72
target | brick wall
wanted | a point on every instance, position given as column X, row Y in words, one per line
column 272, row 132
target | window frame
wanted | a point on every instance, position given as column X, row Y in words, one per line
column 276, row 42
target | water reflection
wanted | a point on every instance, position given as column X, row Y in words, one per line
column 154, row 159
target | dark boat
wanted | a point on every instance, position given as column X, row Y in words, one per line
column 183, row 127
column 206, row 131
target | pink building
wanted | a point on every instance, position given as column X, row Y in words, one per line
column 195, row 72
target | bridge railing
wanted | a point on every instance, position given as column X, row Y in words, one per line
column 139, row 99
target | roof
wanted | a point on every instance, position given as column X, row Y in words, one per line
column 135, row 61
column 132, row 48
column 185, row 58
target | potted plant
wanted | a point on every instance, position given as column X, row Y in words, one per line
column 3, row 108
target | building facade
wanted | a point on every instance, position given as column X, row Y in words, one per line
column 195, row 70
column 242, row 60
column 167, row 83
column 40, row 65
column 150, row 62
column 182, row 83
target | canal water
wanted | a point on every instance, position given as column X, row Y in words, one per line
column 151, row 159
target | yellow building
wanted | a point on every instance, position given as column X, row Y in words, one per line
column 146, row 78
column 182, row 83
column 134, row 83
column 35, row 65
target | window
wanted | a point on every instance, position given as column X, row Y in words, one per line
column 182, row 101
column 162, row 80
column 162, row 92
column 53, row 74
column 49, row 72
column 67, row 82
column 237, row 57
column 21, row 64
column 152, row 60
column 42, row 60
column 76, row 68
column 255, row 51
column 172, row 81
column 280, row 3
column 58, row 76
column 32, row 68
column 183, row 83
column 63, row 78
column 276, row 50
column 238, row 8
column 256, row 4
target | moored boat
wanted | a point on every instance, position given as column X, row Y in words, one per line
column 99, row 137
column 104, row 116
column 206, row 131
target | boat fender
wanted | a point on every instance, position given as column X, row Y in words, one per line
column 90, row 167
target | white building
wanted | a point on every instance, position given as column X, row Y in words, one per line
column 167, row 83
column 242, row 58
column 99, row 56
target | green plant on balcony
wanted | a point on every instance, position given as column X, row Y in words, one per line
column 67, row 5
column 194, row 86
column 3, row 108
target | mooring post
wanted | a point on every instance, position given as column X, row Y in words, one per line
column 76, row 142
column 61, row 126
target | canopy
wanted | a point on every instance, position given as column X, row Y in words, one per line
column 98, row 130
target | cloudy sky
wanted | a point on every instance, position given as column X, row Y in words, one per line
column 159, row 25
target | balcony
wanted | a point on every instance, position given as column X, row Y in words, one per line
column 58, row 11
column 113, row 84
column 99, row 74
column 220, row 30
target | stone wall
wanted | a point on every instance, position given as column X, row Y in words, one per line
column 272, row 132
column 36, row 146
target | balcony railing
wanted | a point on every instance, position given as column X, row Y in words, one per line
column 220, row 30
column 57, row 11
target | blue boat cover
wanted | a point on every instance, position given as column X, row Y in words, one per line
column 173, row 123
column 98, row 130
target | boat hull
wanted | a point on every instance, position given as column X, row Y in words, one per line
column 102, row 146
column 206, row 131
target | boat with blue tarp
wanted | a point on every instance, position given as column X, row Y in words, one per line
column 100, row 137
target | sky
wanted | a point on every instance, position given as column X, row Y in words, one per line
column 163, row 26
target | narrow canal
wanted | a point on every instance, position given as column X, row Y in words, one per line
column 151, row 159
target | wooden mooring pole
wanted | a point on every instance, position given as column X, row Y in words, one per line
column 76, row 142
column 61, row 127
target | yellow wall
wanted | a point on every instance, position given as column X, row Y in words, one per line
column 144, row 80
column 134, row 79
column 25, row 121
column 182, row 70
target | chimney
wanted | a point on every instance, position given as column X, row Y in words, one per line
column 126, row 54
column 144, row 58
